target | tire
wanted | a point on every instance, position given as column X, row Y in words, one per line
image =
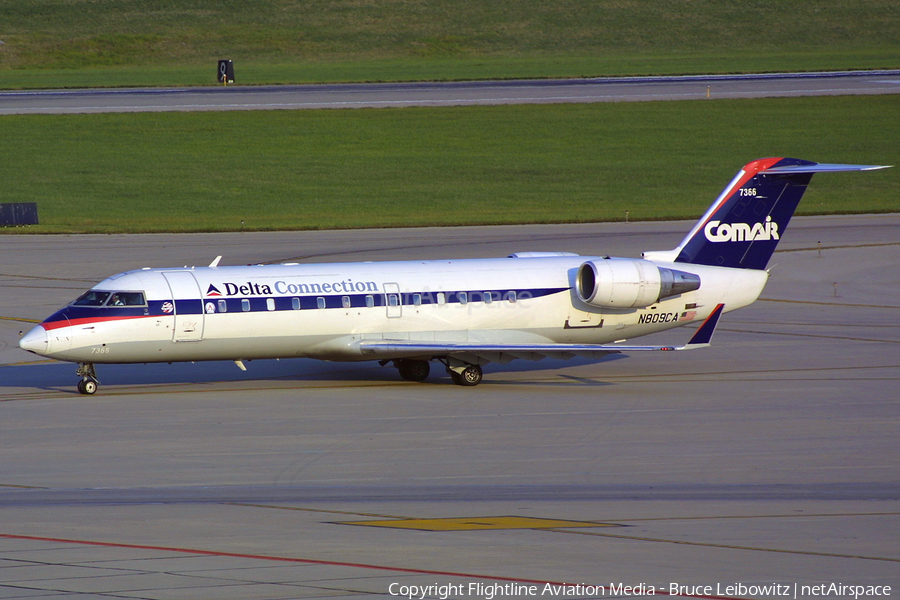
column 86, row 386
column 414, row 370
column 470, row 376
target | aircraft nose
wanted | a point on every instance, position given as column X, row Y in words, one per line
column 35, row 341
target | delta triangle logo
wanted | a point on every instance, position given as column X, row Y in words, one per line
column 212, row 291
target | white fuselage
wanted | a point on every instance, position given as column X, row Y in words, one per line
column 324, row 311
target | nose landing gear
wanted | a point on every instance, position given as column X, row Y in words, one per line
column 89, row 382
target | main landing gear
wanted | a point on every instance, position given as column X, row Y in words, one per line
column 413, row 370
column 467, row 375
column 461, row 373
column 89, row 382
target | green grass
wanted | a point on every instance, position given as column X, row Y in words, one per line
column 442, row 166
column 74, row 43
column 434, row 166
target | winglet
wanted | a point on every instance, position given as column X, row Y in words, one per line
column 703, row 336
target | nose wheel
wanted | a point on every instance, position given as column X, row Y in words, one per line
column 89, row 382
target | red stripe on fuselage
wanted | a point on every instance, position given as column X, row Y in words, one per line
column 87, row 321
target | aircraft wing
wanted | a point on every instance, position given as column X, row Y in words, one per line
column 504, row 353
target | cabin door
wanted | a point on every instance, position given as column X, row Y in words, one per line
column 188, row 306
column 392, row 300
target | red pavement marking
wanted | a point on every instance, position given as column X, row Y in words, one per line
column 312, row 561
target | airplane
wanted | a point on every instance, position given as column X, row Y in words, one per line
column 463, row 314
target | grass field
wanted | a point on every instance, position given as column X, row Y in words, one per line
column 75, row 43
column 441, row 166
column 434, row 166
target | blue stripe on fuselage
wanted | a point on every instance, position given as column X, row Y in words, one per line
column 258, row 303
column 195, row 306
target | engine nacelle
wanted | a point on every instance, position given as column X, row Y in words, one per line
column 630, row 283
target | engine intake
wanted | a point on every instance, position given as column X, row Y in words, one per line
column 630, row 283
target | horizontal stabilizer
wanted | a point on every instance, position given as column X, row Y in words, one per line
column 823, row 168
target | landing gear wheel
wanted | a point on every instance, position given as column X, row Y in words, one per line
column 470, row 376
column 87, row 386
column 413, row 370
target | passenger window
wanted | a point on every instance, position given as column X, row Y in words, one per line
column 417, row 299
column 320, row 302
column 370, row 301
column 393, row 300
column 488, row 298
column 463, row 297
column 270, row 303
column 245, row 305
column 441, row 299
column 511, row 296
column 295, row 303
column 223, row 306
column 345, row 301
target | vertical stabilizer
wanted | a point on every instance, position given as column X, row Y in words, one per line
column 743, row 226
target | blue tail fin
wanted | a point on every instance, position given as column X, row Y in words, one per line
column 744, row 224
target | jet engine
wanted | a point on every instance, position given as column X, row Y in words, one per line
column 630, row 283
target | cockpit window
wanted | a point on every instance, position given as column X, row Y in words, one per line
column 97, row 298
column 126, row 299
column 92, row 298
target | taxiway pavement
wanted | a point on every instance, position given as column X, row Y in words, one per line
column 769, row 459
column 468, row 93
